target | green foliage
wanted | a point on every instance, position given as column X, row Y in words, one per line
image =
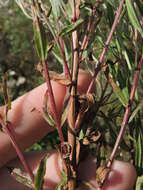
column 122, row 57
column 132, row 16
column 40, row 40
column 63, row 181
column 139, row 183
column 39, row 177
column 70, row 28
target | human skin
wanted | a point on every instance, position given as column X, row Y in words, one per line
column 26, row 116
column 29, row 126
column 121, row 177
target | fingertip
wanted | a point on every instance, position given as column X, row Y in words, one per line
column 121, row 177
column 84, row 80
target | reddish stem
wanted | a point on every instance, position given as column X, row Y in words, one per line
column 125, row 118
column 85, row 39
column 74, row 12
column 127, row 112
column 66, row 68
column 17, row 148
column 78, row 9
column 52, row 101
column 48, row 82
column 62, row 51
column 101, row 59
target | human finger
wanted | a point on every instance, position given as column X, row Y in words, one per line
column 121, row 177
column 26, row 117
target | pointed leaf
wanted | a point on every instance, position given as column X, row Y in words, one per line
column 21, row 5
column 46, row 111
column 22, row 177
column 118, row 91
column 63, row 181
column 134, row 113
column 139, row 183
column 70, row 28
column 139, row 148
column 40, row 41
column 39, row 178
column 55, row 7
column 133, row 17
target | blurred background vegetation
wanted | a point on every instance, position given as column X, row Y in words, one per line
column 19, row 58
column 17, row 54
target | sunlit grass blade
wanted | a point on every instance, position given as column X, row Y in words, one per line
column 133, row 17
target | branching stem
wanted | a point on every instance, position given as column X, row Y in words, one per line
column 48, row 82
column 101, row 59
column 127, row 112
column 125, row 118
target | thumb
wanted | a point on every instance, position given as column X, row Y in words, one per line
column 121, row 177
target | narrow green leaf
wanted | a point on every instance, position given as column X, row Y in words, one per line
column 118, row 92
column 133, row 17
column 139, row 148
column 140, row 105
column 63, row 181
column 46, row 112
column 22, row 177
column 57, row 55
column 127, row 59
column 39, row 178
column 81, row 134
column 24, row 10
column 110, row 14
column 49, row 119
column 70, row 28
column 9, row 103
column 40, row 41
column 139, row 183
column 55, row 7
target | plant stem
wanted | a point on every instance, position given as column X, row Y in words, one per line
column 66, row 69
column 59, row 41
column 48, row 82
column 78, row 9
column 127, row 112
column 52, row 101
column 72, row 109
column 74, row 11
column 125, row 118
column 8, row 130
column 62, row 50
column 85, row 39
column 101, row 59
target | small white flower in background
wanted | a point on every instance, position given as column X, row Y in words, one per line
column 20, row 81
column 12, row 73
column 3, row 3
